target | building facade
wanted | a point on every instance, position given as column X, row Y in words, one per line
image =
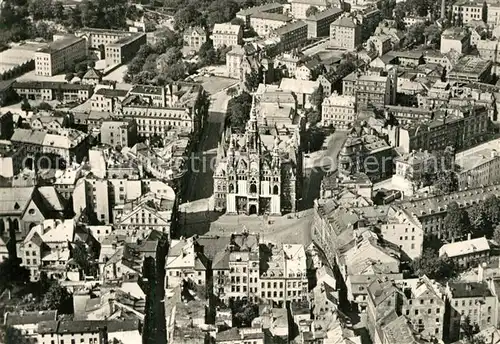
column 338, row 111
column 59, row 55
column 227, row 35
column 345, row 33
column 247, row 181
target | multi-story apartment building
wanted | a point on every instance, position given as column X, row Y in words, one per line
column 52, row 90
column 264, row 23
column 493, row 14
column 124, row 49
column 406, row 114
column 474, row 300
column 318, row 25
column 455, row 38
column 92, row 196
column 107, row 100
column 465, row 11
column 471, row 69
column 227, row 35
column 460, row 132
column 489, row 50
column 253, row 335
column 300, row 7
column 467, row 253
column 371, row 89
column 59, row 55
column 358, row 150
column 97, row 38
column 247, row 13
column 404, row 230
column 383, row 299
column 338, row 111
column 186, row 263
column 119, row 133
column 284, row 278
column 291, row 35
column 432, row 211
column 159, row 109
column 236, row 269
column 66, row 144
column 27, row 324
column 479, row 166
column 194, row 37
column 345, row 33
column 423, row 303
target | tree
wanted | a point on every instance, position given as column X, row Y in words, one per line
column 84, row 258
column 57, row 297
column 456, row 221
column 221, row 11
column 468, row 330
column 12, row 273
column 238, row 21
column 433, row 266
column 317, row 98
column 433, row 34
column 478, row 220
column 245, row 312
column 238, row 110
column 311, row 11
column 176, row 72
column 313, row 116
column 44, row 106
column 253, row 79
column 207, row 53
column 188, row 16
column 496, row 234
column 492, row 209
column 446, row 182
column 69, row 77
column 415, row 33
column 232, row 92
column 25, row 105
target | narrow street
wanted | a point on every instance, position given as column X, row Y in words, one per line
column 318, row 165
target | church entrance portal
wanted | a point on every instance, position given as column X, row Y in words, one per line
column 252, row 210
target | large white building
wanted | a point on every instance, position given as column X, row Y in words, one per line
column 59, row 55
column 338, row 111
column 227, row 35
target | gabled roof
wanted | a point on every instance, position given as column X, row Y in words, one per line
column 15, row 200
column 92, row 74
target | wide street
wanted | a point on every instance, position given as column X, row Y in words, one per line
column 200, row 187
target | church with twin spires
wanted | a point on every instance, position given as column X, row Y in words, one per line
column 258, row 172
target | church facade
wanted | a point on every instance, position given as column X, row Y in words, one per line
column 258, row 172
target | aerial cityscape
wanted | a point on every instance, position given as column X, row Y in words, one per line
column 249, row 172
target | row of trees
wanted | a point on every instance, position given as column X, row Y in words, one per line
column 204, row 13
column 21, row 19
column 479, row 220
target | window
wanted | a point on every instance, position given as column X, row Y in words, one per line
column 429, row 311
column 438, row 310
column 416, row 311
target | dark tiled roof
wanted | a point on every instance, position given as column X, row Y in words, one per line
column 24, row 318
column 469, row 289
